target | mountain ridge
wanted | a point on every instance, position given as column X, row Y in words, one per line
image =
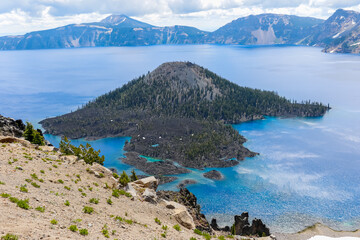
column 339, row 33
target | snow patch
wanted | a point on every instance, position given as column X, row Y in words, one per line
column 329, row 238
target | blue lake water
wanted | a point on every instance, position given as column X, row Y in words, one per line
column 308, row 168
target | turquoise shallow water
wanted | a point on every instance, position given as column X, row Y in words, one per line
column 307, row 170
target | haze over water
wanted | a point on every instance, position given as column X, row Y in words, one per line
column 307, row 170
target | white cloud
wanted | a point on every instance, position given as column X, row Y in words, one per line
column 20, row 16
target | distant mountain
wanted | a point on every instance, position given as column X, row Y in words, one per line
column 115, row 30
column 339, row 33
column 265, row 29
column 178, row 112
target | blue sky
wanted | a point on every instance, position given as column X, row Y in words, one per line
column 21, row 16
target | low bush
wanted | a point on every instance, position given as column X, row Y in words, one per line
column 88, row 210
column 73, row 228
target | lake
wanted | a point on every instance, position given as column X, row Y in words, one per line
column 308, row 168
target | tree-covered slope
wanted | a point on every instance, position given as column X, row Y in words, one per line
column 178, row 112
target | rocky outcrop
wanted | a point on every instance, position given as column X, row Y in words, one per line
column 214, row 174
column 243, row 227
column 180, row 213
column 186, row 198
column 11, row 127
column 144, row 189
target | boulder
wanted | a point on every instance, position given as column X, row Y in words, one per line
column 149, row 195
column 69, row 158
column 149, row 182
column 184, row 218
column 130, row 189
column 172, row 205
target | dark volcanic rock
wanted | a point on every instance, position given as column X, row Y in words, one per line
column 258, row 227
column 186, row 198
column 186, row 182
column 165, row 179
column 152, row 168
column 242, row 226
column 215, row 226
column 11, row 127
column 213, row 174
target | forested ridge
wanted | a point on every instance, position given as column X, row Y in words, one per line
column 187, row 106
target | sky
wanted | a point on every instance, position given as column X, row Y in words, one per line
column 22, row 16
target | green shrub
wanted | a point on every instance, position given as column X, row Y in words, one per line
column 5, row 195
column 192, row 238
column 94, row 200
column 67, row 188
column 177, row 227
column 73, row 228
column 2, row 183
column 88, row 210
column 67, row 203
column 83, row 232
column 117, row 192
column 115, row 175
column 13, row 199
column 83, row 152
column 9, row 237
column 34, row 176
column 164, row 227
column 42, row 171
column 54, row 222
column 105, row 231
column 23, row 189
column 60, row 181
column 197, row 231
column 221, row 238
column 133, row 176
column 34, row 184
column 124, row 179
column 157, row 221
column 33, row 136
column 109, row 201
column 163, row 235
column 83, row 194
column 40, row 209
column 24, row 204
